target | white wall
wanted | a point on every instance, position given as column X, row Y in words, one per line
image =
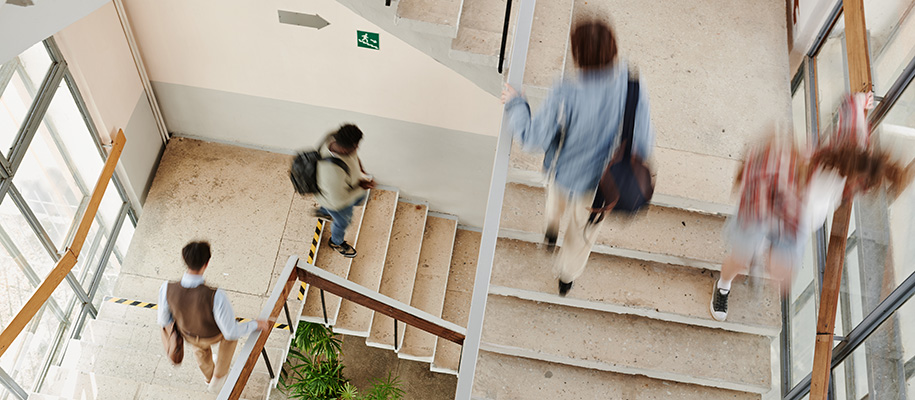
column 811, row 15
column 240, row 47
column 21, row 27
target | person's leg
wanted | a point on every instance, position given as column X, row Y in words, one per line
column 224, row 358
column 342, row 219
column 577, row 242
column 204, row 355
column 555, row 207
column 745, row 242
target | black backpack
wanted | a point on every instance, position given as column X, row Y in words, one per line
column 304, row 171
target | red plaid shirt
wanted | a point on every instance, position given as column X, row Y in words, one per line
column 770, row 193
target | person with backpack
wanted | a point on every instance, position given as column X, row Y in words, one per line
column 577, row 128
column 342, row 184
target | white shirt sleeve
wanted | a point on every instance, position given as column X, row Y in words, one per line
column 165, row 314
column 225, row 318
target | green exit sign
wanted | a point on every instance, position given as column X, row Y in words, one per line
column 368, row 40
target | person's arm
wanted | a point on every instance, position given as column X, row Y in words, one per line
column 165, row 314
column 535, row 133
column 643, row 131
column 225, row 319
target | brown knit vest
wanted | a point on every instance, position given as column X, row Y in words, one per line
column 193, row 309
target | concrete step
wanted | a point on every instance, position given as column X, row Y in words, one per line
column 399, row 271
column 479, row 35
column 71, row 384
column 366, row 268
column 661, row 234
column 156, row 369
column 500, row 376
column 430, row 285
column 458, row 294
column 618, row 343
column 439, row 17
column 679, row 175
column 628, row 286
column 331, row 261
column 548, row 45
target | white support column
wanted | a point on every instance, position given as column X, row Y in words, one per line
column 471, row 349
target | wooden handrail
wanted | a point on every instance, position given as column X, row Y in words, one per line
column 68, row 260
column 250, row 353
column 380, row 303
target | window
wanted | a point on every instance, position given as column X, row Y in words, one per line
column 53, row 167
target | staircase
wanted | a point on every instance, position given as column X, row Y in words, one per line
column 409, row 254
column 119, row 356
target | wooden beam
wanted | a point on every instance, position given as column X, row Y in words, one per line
column 384, row 305
column 859, row 80
column 66, row 263
column 829, row 300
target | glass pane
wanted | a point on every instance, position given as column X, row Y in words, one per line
column 26, row 356
column 124, row 239
column 832, row 75
column 91, row 254
column 48, row 185
column 891, row 30
column 65, row 123
column 109, row 278
column 879, row 365
column 30, row 70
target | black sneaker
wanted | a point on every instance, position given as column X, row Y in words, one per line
column 322, row 215
column 550, row 239
column 719, row 305
column 344, row 248
column 564, row 288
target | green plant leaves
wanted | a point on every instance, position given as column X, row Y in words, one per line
column 313, row 369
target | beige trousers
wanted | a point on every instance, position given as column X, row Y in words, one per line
column 579, row 236
column 204, row 353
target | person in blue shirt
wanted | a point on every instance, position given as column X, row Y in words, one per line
column 204, row 316
column 577, row 129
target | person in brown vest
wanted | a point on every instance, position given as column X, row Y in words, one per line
column 203, row 316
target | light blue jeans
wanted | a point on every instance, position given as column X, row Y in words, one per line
column 342, row 219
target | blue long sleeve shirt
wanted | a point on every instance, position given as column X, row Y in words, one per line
column 222, row 310
column 590, row 108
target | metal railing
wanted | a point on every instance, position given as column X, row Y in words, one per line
column 508, row 16
column 325, row 281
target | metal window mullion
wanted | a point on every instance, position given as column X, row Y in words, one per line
column 92, row 249
column 30, row 274
column 36, row 115
column 6, row 73
column 106, row 255
column 53, row 350
column 7, row 381
column 827, row 27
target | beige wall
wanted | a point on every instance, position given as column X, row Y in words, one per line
column 99, row 58
column 240, row 47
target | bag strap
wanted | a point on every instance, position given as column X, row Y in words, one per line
column 340, row 163
column 632, row 101
column 551, row 174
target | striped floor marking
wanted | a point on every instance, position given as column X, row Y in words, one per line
column 154, row 306
column 315, row 241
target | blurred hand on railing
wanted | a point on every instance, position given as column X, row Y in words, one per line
column 263, row 325
column 508, row 93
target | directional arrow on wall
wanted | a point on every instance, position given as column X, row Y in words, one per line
column 309, row 20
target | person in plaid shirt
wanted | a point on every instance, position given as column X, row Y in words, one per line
column 768, row 220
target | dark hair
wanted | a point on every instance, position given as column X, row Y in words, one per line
column 593, row 44
column 348, row 136
column 865, row 169
column 196, row 255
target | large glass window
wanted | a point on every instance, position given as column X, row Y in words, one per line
column 891, row 30
column 41, row 205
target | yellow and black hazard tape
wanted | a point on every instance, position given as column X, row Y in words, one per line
column 315, row 241
column 154, row 306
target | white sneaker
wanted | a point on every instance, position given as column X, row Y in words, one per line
column 216, row 384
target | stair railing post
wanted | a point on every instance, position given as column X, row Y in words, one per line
column 324, row 308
